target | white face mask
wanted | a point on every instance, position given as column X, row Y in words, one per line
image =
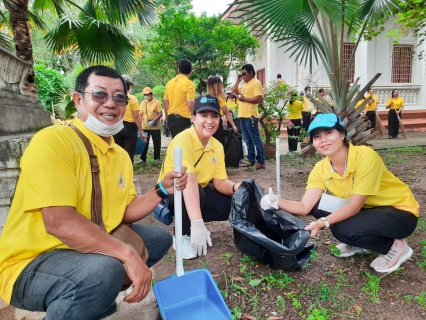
column 146, row 97
column 100, row 128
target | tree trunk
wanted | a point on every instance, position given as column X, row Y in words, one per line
column 22, row 39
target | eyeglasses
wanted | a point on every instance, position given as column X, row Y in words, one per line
column 243, row 73
column 101, row 97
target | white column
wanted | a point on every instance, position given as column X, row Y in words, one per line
column 361, row 64
column 271, row 61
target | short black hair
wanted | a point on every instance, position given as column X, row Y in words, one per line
column 249, row 67
column 306, row 88
column 279, row 76
column 321, row 90
column 339, row 128
column 185, row 66
column 82, row 82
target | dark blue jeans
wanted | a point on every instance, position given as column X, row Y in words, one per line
column 251, row 136
column 69, row 285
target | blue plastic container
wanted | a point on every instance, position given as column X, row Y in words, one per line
column 193, row 296
column 139, row 145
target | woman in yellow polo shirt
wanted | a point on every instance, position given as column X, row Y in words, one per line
column 352, row 192
column 395, row 104
column 203, row 155
column 294, row 107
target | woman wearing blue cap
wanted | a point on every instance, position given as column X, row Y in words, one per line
column 352, row 192
column 204, row 158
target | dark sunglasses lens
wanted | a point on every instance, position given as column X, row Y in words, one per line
column 120, row 100
column 99, row 96
column 244, row 73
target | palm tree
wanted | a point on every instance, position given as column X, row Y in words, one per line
column 97, row 33
column 315, row 30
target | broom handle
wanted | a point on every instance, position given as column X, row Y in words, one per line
column 277, row 158
column 177, row 156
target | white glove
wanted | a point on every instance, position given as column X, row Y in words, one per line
column 200, row 237
column 150, row 123
column 269, row 201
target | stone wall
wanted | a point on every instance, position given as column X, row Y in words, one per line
column 21, row 116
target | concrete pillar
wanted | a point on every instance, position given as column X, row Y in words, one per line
column 271, row 63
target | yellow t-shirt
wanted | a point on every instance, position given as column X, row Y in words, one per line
column 210, row 166
column 318, row 110
column 133, row 105
column 149, row 111
column 55, row 171
column 232, row 105
column 294, row 110
column 178, row 91
column 222, row 103
column 307, row 105
column 366, row 174
column 398, row 103
column 358, row 104
column 372, row 106
column 251, row 89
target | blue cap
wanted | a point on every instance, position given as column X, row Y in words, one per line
column 324, row 121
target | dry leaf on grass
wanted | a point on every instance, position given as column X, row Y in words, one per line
column 357, row 309
column 248, row 317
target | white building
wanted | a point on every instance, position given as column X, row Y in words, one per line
column 398, row 64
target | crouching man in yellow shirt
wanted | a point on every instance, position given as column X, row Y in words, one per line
column 53, row 258
column 204, row 157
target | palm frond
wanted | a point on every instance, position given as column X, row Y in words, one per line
column 5, row 40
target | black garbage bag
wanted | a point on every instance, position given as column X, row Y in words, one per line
column 232, row 148
column 275, row 238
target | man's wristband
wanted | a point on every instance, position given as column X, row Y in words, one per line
column 161, row 191
column 233, row 188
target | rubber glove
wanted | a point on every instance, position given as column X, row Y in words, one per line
column 150, row 123
column 269, row 201
column 200, row 237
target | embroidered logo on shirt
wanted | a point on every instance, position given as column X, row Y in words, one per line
column 121, row 183
column 213, row 160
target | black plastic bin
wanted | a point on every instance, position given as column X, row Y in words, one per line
column 278, row 240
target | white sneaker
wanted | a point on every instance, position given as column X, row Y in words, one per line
column 188, row 252
column 393, row 259
column 348, row 251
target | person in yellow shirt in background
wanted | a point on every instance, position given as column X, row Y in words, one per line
column 215, row 89
column 372, row 107
column 151, row 112
column 307, row 109
column 127, row 138
column 280, row 79
column 179, row 99
column 208, row 194
column 323, row 94
column 294, row 107
column 232, row 103
column 249, row 95
column 395, row 104
column 352, row 192
column 53, row 258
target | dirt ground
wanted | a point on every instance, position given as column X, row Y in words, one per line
column 330, row 287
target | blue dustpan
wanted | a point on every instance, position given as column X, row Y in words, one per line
column 192, row 295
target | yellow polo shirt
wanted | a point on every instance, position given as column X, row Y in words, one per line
column 359, row 103
column 55, row 171
column 307, row 105
column 133, row 105
column 251, row 89
column 222, row 103
column 366, row 174
column 149, row 111
column 318, row 110
column 372, row 106
column 398, row 103
column 294, row 110
column 178, row 90
column 232, row 105
column 210, row 166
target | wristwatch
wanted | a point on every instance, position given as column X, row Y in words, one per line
column 327, row 224
column 161, row 191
